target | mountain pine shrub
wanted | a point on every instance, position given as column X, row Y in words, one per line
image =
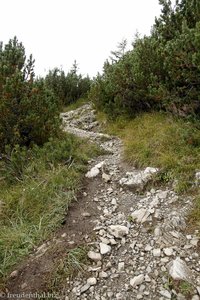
column 29, row 112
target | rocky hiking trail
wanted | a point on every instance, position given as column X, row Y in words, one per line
column 138, row 246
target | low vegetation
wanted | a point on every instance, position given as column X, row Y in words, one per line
column 160, row 72
column 161, row 140
column 36, row 188
column 67, row 88
column 40, row 166
column 80, row 102
column 181, row 286
column 29, row 112
column 151, row 98
column 74, row 261
column 194, row 216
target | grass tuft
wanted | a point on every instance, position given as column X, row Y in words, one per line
column 36, row 190
column 194, row 216
column 159, row 140
column 68, row 267
column 75, row 104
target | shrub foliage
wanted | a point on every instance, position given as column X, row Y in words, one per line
column 161, row 71
column 69, row 87
column 28, row 110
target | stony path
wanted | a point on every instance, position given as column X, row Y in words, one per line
column 139, row 247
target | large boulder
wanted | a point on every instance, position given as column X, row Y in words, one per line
column 138, row 179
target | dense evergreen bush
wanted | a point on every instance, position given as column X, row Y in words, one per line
column 28, row 110
column 162, row 71
column 70, row 87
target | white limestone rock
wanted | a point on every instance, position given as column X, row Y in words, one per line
column 95, row 170
column 114, row 201
column 104, row 240
column 100, row 165
column 157, row 232
column 195, row 297
column 137, row 280
column 178, row 270
column 121, row 266
column 118, row 231
column 92, row 173
column 92, row 281
column 168, row 251
column 86, row 214
column 154, row 202
column 194, row 241
column 148, row 248
column 138, row 179
column 141, row 215
column 104, row 248
column 106, row 177
column 103, row 274
column 156, row 252
column 163, row 194
column 166, row 294
column 14, row 274
column 94, row 256
column 84, row 288
column 113, row 242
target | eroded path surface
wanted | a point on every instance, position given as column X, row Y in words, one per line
column 138, row 248
column 140, row 240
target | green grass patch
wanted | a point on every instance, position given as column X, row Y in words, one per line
column 186, row 289
column 160, row 140
column 194, row 216
column 68, row 267
column 180, row 286
column 75, row 105
column 36, row 188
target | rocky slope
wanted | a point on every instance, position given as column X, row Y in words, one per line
column 140, row 249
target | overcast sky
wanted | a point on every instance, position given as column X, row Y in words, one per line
column 57, row 32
